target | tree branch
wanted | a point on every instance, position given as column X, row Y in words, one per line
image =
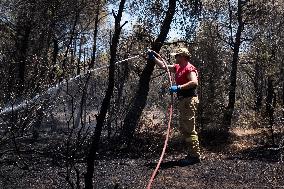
column 123, row 24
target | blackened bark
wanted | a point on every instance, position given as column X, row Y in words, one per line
column 270, row 105
column 79, row 56
column 282, row 80
column 72, row 34
column 258, row 85
column 106, row 101
column 55, row 51
column 135, row 111
column 24, row 27
column 228, row 114
column 22, row 45
column 92, row 63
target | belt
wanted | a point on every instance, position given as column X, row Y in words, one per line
column 179, row 97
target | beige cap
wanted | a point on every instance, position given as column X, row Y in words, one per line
column 181, row 51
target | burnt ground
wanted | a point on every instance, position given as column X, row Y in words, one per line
column 243, row 163
column 211, row 173
column 234, row 165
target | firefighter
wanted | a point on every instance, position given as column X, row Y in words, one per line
column 186, row 79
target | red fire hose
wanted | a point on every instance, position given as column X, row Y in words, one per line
column 168, row 132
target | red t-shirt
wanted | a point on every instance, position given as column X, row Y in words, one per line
column 182, row 73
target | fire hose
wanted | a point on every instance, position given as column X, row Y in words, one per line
column 170, row 110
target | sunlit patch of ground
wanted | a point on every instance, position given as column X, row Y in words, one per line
column 244, row 138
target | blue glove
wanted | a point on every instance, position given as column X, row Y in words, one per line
column 174, row 88
column 151, row 55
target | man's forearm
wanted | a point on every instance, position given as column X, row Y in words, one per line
column 159, row 63
column 188, row 85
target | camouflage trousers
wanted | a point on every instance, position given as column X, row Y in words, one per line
column 187, row 114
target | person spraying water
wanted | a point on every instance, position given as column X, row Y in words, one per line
column 186, row 78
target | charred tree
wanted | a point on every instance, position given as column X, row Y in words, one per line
column 282, row 80
column 72, row 36
column 93, row 57
column 136, row 108
column 23, row 33
column 106, row 101
column 270, row 106
column 258, row 86
column 228, row 114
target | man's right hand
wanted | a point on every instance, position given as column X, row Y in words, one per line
column 151, row 55
column 174, row 89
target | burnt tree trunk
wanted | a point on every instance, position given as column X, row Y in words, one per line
column 23, row 32
column 136, row 108
column 270, row 106
column 228, row 114
column 258, row 86
column 106, row 101
column 282, row 80
column 55, row 51
column 22, row 45
column 93, row 57
column 91, row 65
column 72, row 35
column 79, row 57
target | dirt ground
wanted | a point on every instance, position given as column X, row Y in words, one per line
column 241, row 164
column 244, row 163
column 211, row 173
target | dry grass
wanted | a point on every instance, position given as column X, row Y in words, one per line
column 241, row 132
column 244, row 138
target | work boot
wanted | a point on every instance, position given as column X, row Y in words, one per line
column 189, row 160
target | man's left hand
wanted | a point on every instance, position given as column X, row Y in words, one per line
column 151, row 55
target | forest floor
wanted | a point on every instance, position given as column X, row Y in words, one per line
column 245, row 162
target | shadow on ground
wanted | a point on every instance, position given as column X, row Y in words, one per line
column 169, row 164
column 267, row 154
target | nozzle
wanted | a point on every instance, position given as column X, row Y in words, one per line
column 148, row 50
